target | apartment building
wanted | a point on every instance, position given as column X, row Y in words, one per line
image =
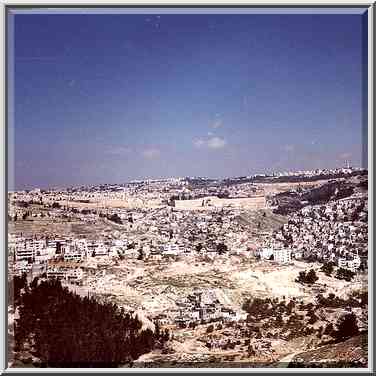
column 282, row 256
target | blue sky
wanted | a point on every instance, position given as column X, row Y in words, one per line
column 101, row 98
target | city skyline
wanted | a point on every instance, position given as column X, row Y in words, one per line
column 113, row 98
column 314, row 173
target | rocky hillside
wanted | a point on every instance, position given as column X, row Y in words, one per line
column 291, row 201
column 350, row 353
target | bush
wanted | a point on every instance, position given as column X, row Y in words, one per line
column 328, row 268
column 347, row 327
column 231, row 345
column 192, row 325
column 258, row 307
column 221, row 248
column 210, row 329
column 307, row 278
column 329, row 329
column 290, row 307
column 15, row 287
column 115, row 218
column 279, row 320
column 319, row 332
column 199, row 246
column 332, row 301
column 345, row 274
column 359, row 299
column 312, row 317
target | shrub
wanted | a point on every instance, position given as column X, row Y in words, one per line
column 250, row 350
column 199, row 246
column 359, row 299
column 115, row 218
column 279, row 320
column 307, row 278
column 328, row 268
column 232, row 345
column 210, row 329
column 345, row 274
column 258, row 307
column 192, row 325
column 329, row 329
column 221, row 248
column 347, row 327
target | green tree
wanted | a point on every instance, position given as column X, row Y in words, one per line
column 250, row 351
column 307, row 278
column 345, row 274
column 347, row 327
column 279, row 320
column 210, row 329
column 329, row 329
column 115, row 218
column 34, row 283
column 70, row 331
column 199, row 247
column 140, row 254
column 328, row 268
column 19, row 284
column 221, row 248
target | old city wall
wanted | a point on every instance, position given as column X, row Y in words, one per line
column 253, row 203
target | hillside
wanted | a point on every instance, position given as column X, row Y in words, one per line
column 350, row 353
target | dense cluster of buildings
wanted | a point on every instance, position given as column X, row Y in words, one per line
column 336, row 232
column 202, row 307
column 58, row 257
column 347, row 169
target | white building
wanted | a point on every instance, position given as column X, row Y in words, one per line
column 24, row 252
column 101, row 250
column 65, row 272
column 21, row 267
column 356, row 262
column 298, row 254
column 352, row 264
column 119, row 242
column 266, row 253
column 282, row 256
column 73, row 254
column 342, row 262
column 81, row 244
column 171, row 249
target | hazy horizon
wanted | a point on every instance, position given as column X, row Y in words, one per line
column 102, row 98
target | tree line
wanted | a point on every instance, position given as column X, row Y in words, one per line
column 66, row 330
